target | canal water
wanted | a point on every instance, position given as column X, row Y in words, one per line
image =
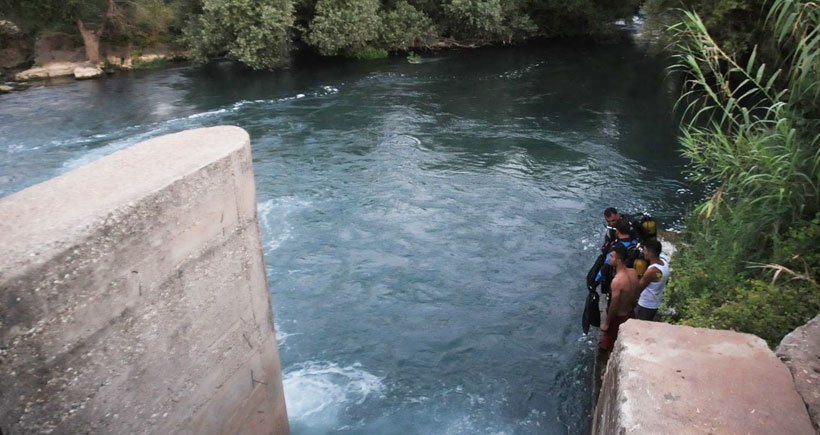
column 427, row 227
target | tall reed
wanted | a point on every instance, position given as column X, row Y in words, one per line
column 751, row 130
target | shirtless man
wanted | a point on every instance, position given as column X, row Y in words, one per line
column 624, row 297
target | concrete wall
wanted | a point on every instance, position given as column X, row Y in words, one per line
column 800, row 351
column 133, row 296
column 665, row 379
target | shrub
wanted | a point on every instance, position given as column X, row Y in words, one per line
column 343, row 26
column 405, row 26
column 474, row 19
column 254, row 32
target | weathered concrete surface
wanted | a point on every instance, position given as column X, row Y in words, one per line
column 800, row 351
column 133, row 296
column 664, row 379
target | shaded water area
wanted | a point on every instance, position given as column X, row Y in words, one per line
column 427, row 227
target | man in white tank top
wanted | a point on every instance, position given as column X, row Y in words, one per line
column 652, row 282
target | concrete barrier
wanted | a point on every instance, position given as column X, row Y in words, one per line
column 800, row 351
column 666, row 379
column 133, row 296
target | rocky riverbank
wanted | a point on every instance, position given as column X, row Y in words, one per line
column 57, row 57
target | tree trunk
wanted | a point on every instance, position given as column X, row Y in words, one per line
column 91, row 40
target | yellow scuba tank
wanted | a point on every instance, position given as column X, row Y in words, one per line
column 640, row 266
column 649, row 228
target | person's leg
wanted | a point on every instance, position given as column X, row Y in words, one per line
column 609, row 337
column 642, row 313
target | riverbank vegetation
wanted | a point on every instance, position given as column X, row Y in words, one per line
column 750, row 258
column 263, row 33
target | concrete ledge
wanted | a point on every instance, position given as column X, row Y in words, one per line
column 663, row 379
column 133, row 296
column 800, row 351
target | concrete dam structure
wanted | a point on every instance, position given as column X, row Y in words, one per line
column 134, row 297
column 134, row 300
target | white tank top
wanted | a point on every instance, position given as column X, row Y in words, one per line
column 652, row 294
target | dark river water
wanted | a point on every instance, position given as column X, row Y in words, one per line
column 427, row 227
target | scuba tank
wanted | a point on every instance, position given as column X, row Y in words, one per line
column 643, row 227
column 650, row 230
column 636, row 259
column 640, row 266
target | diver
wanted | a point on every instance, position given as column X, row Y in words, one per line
column 612, row 217
column 623, row 237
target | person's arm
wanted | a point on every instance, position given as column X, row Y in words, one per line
column 651, row 275
column 613, row 304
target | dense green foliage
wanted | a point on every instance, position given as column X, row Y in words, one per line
column 404, row 26
column 344, row 26
column 468, row 19
column 119, row 19
column 254, row 32
column 262, row 33
column 737, row 25
column 750, row 258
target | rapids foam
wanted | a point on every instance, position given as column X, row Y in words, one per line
column 316, row 392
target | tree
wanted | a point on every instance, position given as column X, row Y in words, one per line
column 474, row 19
column 344, row 26
column 405, row 26
column 254, row 32
column 516, row 23
column 95, row 20
column 92, row 18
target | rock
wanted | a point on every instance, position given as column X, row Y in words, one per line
column 14, row 51
column 87, row 72
column 81, row 70
column 800, row 351
column 119, row 61
column 5, row 89
column 56, row 69
column 9, row 28
column 663, row 379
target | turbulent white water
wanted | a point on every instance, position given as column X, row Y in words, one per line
column 427, row 227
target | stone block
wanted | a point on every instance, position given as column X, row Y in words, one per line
column 800, row 351
column 664, row 379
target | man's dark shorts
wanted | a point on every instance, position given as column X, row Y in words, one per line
column 642, row 313
column 608, row 340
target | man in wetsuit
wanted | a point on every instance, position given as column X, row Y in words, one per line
column 623, row 236
column 612, row 217
column 625, row 294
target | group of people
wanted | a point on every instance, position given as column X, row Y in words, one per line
column 630, row 271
